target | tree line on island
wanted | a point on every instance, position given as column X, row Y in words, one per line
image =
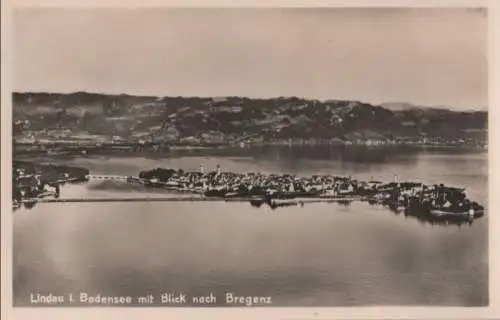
column 33, row 180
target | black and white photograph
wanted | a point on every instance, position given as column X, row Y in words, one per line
column 190, row 157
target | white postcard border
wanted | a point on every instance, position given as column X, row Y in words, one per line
column 8, row 312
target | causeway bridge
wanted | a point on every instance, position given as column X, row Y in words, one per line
column 107, row 177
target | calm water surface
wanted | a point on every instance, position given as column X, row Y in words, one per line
column 316, row 255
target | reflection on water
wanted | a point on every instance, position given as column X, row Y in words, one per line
column 317, row 255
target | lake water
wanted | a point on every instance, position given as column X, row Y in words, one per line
column 316, row 255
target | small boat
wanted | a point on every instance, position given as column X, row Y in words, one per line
column 257, row 202
column 282, row 203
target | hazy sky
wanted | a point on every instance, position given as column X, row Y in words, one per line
column 422, row 56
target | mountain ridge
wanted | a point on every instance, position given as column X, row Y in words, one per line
column 391, row 105
column 232, row 118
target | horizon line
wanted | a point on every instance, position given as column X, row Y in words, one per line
column 381, row 104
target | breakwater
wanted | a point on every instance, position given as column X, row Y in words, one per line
column 180, row 199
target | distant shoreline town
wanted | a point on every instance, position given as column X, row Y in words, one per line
column 86, row 147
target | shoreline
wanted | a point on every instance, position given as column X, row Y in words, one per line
column 272, row 189
column 175, row 151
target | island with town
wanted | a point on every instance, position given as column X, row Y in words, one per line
column 84, row 124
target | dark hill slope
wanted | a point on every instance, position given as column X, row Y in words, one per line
column 232, row 117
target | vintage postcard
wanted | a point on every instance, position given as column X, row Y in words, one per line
column 250, row 161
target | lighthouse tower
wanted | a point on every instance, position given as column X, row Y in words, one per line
column 201, row 168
